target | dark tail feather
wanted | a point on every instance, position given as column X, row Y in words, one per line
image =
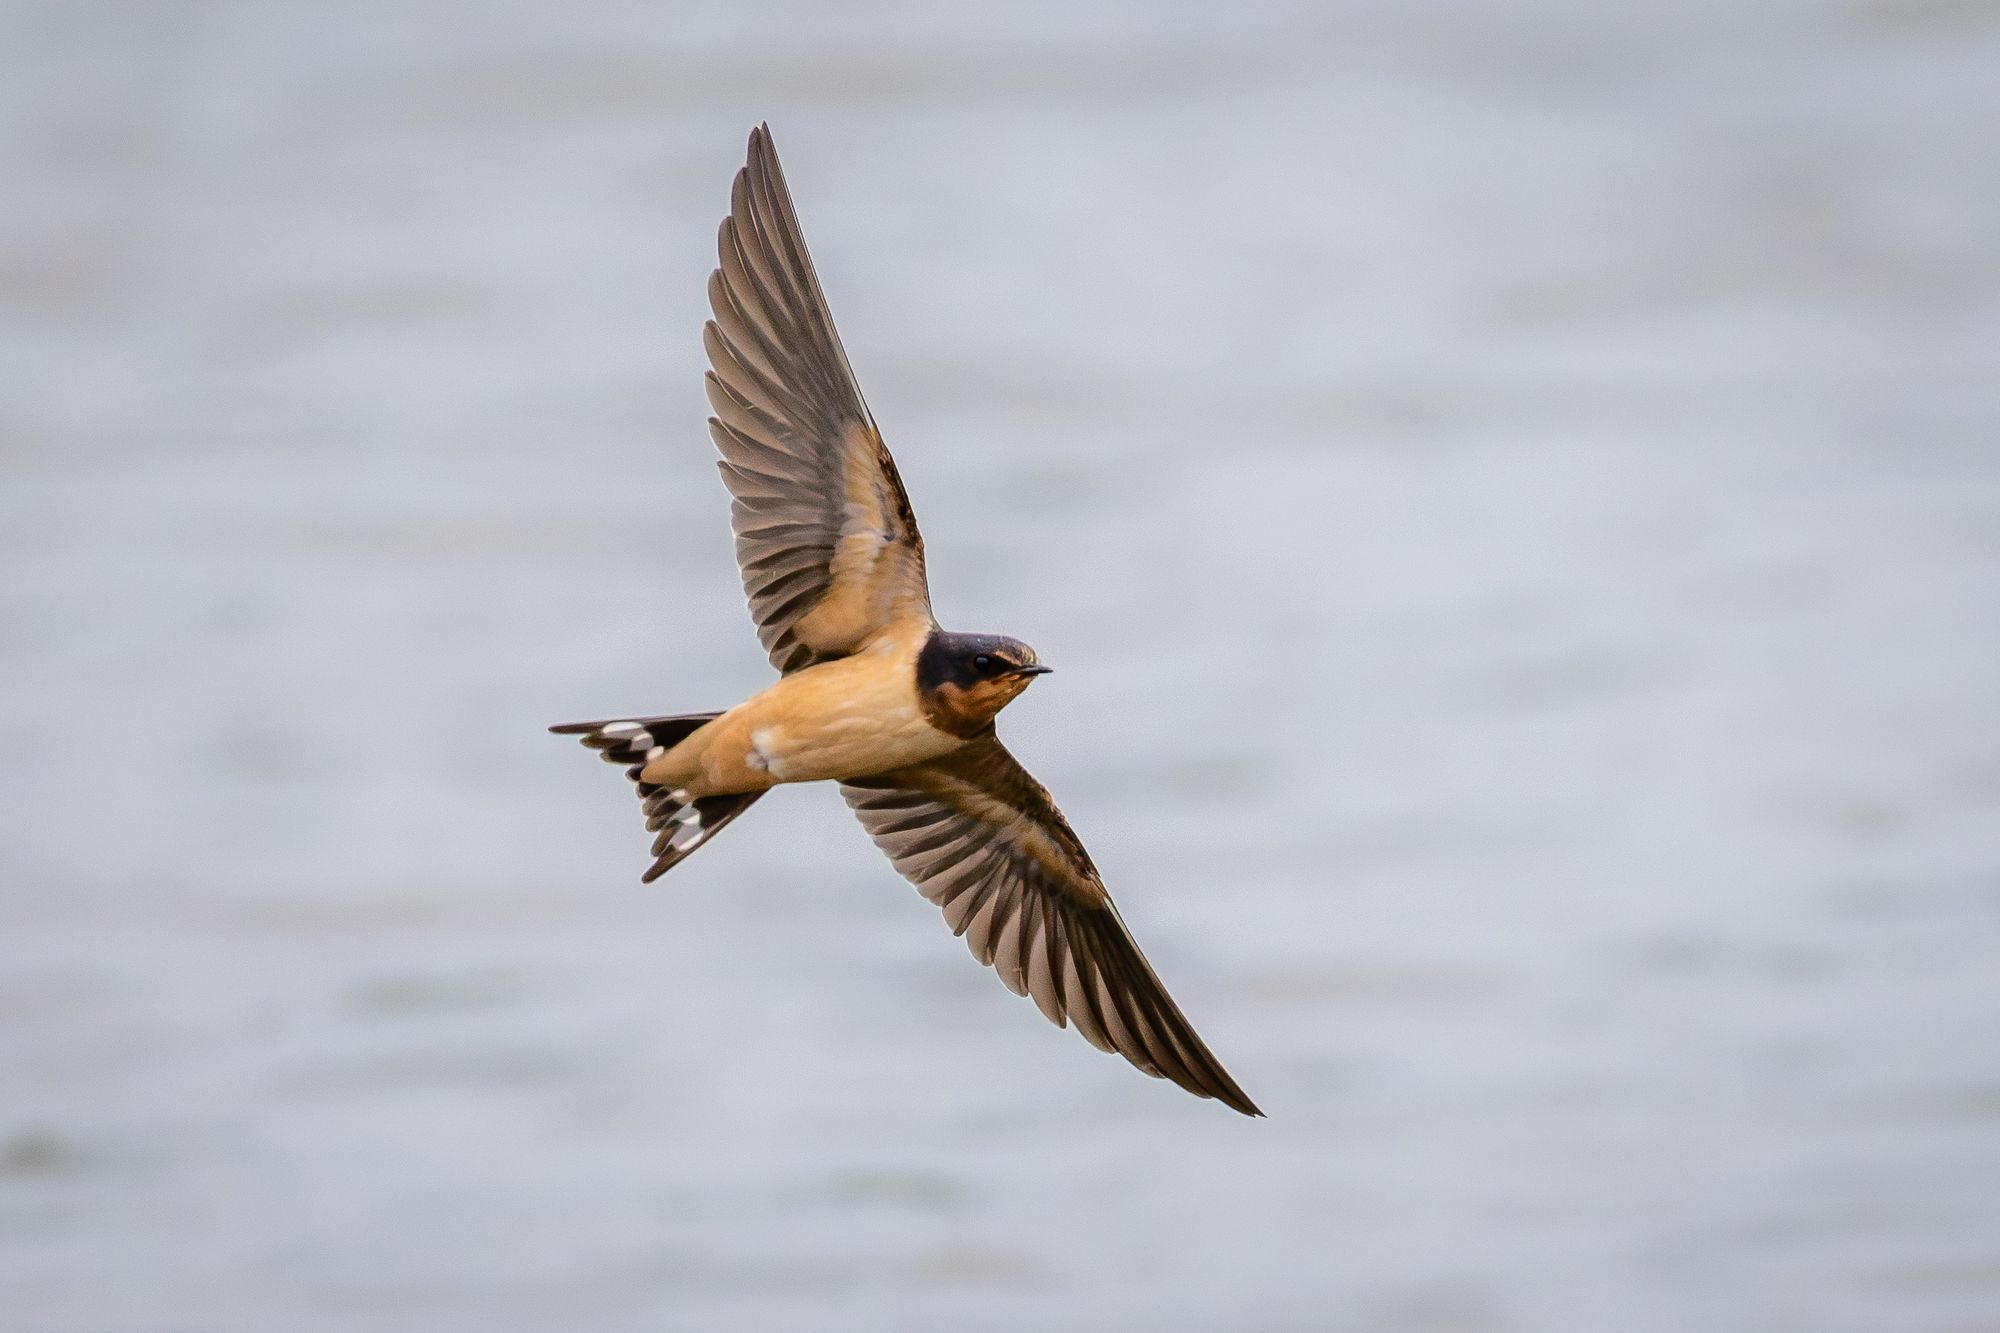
column 682, row 825
column 631, row 740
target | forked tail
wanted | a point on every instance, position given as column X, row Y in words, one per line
column 681, row 823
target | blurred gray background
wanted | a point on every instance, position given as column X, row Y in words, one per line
column 1513, row 493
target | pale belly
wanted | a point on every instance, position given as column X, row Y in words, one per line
column 844, row 742
column 852, row 718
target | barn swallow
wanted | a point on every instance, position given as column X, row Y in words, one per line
column 872, row 693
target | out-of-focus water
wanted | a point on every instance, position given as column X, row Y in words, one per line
column 1513, row 493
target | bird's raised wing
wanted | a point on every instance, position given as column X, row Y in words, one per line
column 824, row 532
column 984, row 841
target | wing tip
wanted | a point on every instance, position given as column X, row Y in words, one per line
column 1214, row 1082
column 763, row 149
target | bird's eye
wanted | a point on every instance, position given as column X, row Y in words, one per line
column 982, row 662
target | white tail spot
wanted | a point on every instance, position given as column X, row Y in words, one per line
column 687, row 828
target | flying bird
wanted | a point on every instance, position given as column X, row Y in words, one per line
column 872, row 693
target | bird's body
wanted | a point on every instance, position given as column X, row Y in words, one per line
column 873, row 694
column 855, row 716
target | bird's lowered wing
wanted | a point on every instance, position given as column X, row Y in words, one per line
column 824, row 532
column 984, row 841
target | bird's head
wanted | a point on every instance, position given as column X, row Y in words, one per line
column 964, row 680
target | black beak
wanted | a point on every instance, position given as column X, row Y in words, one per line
column 1036, row 670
